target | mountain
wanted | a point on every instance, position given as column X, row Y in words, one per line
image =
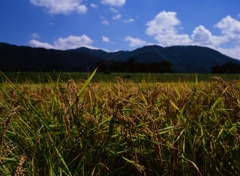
column 15, row 58
column 185, row 59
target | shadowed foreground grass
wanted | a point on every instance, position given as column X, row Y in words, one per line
column 120, row 128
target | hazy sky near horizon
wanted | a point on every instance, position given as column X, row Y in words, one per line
column 121, row 24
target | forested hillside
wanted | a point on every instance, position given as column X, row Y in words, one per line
column 180, row 59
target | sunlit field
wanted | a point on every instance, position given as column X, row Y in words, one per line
column 119, row 124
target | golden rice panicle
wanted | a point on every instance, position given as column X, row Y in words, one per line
column 6, row 123
column 229, row 92
column 6, row 150
column 19, row 169
column 121, row 86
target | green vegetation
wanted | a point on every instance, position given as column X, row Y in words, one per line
column 119, row 127
column 132, row 66
column 228, row 67
column 180, row 59
column 48, row 77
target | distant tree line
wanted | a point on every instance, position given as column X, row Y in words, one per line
column 228, row 67
column 131, row 66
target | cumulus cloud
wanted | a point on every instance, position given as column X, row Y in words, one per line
column 164, row 22
column 204, row 37
column 117, row 17
column 82, row 9
column 162, row 28
column 70, row 42
column 129, row 20
column 61, row 6
column 105, row 39
column 232, row 52
column 135, row 42
column 230, row 28
column 35, row 43
column 105, row 22
column 201, row 35
column 94, row 6
column 113, row 2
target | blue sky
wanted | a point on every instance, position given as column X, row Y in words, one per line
column 121, row 24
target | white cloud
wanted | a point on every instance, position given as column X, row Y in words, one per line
column 35, row 35
column 113, row 2
column 201, row 35
column 117, row 17
column 164, row 22
column 70, row 42
column 105, row 22
column 61, row 6
column 204, row 37
column 113, row 10
column 135, row 42
column 129, row 20
column 162, row 28
column 232, row 52
column 105, row 39
column 82, row 9
column 230, row 28
column 94, row 6
column 35, row 43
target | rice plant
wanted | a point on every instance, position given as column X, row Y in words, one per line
column 120, row 128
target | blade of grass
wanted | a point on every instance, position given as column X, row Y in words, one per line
column 183, row 157
column 83, row 88
column 174, row 105
column 63, row 161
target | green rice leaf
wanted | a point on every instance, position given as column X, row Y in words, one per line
column 183, row 157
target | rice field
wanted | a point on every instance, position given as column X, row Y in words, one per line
column 120, row 127
column 47, row 77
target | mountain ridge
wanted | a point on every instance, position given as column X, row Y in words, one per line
column 185, row 59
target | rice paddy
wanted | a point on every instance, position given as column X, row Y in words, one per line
column 119, row 127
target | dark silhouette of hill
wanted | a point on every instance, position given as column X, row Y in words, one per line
column 185, row 59
column 22, row 58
